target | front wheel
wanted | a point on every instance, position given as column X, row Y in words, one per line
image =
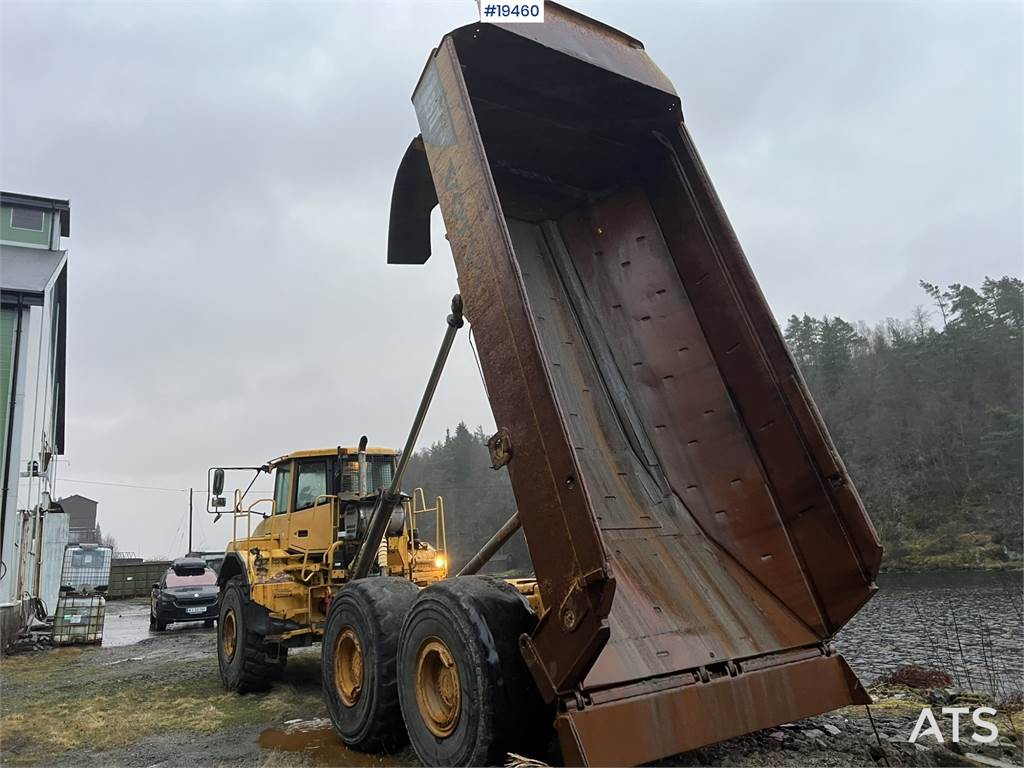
column 467, row 697
column 358, row 663
column 155, row 624
column 247, row 663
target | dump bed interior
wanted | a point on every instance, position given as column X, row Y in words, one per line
column 642, row 384
column 725, row 537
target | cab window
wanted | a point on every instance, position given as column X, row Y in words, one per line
column 311, row 483
column 350, row 475
column 380, row 469
column 281, row 488
column 378, row 473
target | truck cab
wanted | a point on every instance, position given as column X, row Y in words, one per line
column 291, row 550
column 309, row 486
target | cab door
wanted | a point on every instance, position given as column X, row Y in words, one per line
column 276, row 525
column 311, row 524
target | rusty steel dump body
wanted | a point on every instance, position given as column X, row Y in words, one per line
column 695, row 536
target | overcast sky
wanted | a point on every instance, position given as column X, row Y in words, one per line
column 229, row 167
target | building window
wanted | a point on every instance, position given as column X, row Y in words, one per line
column 27, row 218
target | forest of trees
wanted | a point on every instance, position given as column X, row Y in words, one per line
column 926, row 413
column 477, row 499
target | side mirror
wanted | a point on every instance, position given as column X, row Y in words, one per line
column 218, row 482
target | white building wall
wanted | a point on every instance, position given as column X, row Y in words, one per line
column 23, row 573
column 10, row 571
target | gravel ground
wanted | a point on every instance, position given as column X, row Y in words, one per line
column 155, row 699
column 846, row 737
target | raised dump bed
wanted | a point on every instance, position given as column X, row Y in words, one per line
column 696, row 538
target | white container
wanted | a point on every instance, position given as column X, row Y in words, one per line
column 55, row 540
column 86, row 568
column 78, row 619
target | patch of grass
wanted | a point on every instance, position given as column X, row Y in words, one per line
column 949, row 550
column 106, row 720
column 108, row 716
column 35, row 666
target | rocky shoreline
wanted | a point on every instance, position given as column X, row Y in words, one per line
column 846, row 737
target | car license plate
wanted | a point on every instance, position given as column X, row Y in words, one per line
column 201, row 609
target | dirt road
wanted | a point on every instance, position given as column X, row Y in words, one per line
column 155, row 699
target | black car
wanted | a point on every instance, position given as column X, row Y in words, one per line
column 186, row 592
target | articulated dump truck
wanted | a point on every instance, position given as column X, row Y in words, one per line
column 696, row 538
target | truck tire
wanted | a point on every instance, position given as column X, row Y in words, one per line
column 247, row 663
column 467, row 697
column 358, row 665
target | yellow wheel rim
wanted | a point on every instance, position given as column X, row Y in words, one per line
column 228, row 634
column 438, row 688
column 348, row 667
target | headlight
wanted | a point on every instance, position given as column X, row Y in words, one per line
column 439, row 562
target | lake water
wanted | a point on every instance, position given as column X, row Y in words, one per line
column 969, row 625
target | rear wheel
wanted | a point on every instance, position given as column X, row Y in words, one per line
column 466, row 695
column 247, row 663
column 359, row 662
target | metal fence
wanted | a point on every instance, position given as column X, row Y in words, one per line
column 134, row 578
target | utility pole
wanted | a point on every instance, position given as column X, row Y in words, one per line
column 189, row 522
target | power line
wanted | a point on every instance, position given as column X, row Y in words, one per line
column 268, row 491
column 142, row 487
column 123, row 485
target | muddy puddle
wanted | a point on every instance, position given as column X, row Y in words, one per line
column 126, row 622
column 317, row 739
